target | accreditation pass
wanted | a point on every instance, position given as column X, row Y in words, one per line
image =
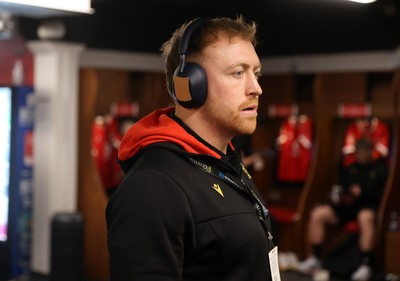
column 274, row 264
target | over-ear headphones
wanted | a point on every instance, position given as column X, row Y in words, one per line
column 189, row 84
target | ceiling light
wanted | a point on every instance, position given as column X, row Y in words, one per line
column 363, row 1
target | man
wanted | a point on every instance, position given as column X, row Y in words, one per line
column 363, row 182
column 187, row 208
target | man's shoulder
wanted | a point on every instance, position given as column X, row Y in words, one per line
column 166, row 149
column 160, row 156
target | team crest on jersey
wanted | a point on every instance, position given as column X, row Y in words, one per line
column 218, row 189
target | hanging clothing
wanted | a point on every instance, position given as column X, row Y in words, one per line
column 373, row 128
column 295, row 147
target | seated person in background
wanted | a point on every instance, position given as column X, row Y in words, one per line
column 363, row 183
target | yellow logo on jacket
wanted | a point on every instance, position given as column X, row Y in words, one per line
column 218, row 189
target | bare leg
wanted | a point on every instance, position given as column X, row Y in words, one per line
column 366, row 221
column 320, row 217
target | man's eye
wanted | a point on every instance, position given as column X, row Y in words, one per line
column 257, row 74
column 239, row 73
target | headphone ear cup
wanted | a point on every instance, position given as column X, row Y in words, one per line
column 189, row 87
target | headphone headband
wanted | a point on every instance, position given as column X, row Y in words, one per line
column 187, row 34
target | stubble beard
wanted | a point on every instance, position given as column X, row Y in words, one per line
column 232, row 122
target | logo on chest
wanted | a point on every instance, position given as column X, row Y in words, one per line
column 218, row 189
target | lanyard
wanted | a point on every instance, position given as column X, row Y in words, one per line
column 245, row 185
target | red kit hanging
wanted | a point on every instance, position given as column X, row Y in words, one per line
column 372, row 128
column 294, row 143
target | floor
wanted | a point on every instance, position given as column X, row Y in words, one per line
column 285, row 276
column 294, row 276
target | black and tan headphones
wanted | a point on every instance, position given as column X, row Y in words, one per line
column 189, row 84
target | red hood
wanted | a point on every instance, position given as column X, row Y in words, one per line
column 159, row 127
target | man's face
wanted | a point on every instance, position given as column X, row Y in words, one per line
column 232, row 68
column 363, row 156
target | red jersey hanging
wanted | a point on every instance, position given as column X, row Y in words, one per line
column 294, row 143
column 107, row 133
column 101, row 149
column 373, row 128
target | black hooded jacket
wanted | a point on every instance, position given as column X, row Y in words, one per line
column 176, row 216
